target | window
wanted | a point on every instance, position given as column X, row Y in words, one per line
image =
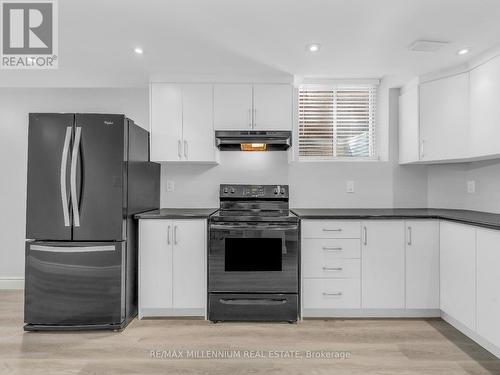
column 337, row 122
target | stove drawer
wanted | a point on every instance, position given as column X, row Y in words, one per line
column 331, row 229
column 253, row 307
column 332, row 294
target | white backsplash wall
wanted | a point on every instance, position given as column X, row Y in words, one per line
column 447, row 186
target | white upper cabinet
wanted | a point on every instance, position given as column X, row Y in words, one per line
column 444, row 118
column 488, row 281
column 253, row 107
column 383, row 264
column 458, row 272
column 233, row 107
column 166, row 122
column 409, row 126
column 422, row 264
column 197, row 131
column 182, row 123
column 272, row 107
column 485, row 109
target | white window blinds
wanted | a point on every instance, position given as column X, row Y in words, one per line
column 337, row 122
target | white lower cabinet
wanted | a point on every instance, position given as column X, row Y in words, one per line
column 422, row 264
column 488, row 285
column 332, row 294
column 383, row 264
column 172, row 267
column 458, row 272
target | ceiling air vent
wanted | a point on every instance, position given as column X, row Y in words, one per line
column 427, row 46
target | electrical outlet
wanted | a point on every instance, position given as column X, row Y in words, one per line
column 170, row 185
column 471, row 187
column 349, row 186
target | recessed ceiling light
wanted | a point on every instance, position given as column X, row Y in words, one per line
column 313, row 47
column 138, row 50
column 463, row 51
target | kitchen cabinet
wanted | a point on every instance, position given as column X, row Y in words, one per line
column 182, row 123
column 253, row 107
column 273, row 107
column 172, row 267
column 444, row 118
column 383, row 264
column 422, row 264
column 409, row 126
column 458, row 272
column 488, row 281
column 485, row 111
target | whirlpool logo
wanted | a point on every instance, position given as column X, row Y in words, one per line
column 29, row 34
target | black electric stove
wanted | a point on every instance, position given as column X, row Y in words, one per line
column 253, row 256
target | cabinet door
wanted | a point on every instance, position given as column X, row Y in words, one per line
column 189, row 267
column 233, row 107
column 408, row 126
column 166, row 122
column 485, row 111
column 488, row 281
column 272, row 107
column 155, row 264
column 444, row 118
column 422, row 264
column 458, row 272
column 383, row 264
column 198, row 130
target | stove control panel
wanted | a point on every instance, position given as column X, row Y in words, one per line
column 253, row 191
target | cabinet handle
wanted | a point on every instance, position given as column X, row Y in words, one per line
column 333, row 269
column 332, row 248
column 168, row 235
column 175, row 234
column 254, row 118
column 338, row 294
column 422, row 148
column 179, row 145
column 185, row 149
column 332, row 230
column 250, row 118
column 409, row 236
column 365, row 235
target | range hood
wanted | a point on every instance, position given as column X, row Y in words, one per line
column 253, row 140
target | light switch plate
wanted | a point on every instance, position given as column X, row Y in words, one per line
column 170, row 185
column 471, row 187
column 349, row 186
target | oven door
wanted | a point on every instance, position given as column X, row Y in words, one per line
column 254, row 257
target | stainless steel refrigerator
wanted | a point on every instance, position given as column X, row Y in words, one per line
column 88, row 174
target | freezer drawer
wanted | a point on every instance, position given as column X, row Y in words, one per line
column 74, row 283
column 253, row 307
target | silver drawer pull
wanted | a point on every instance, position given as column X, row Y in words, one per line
column 333, row 268
column 338, row 294
column 326, row 248
column 332, row 230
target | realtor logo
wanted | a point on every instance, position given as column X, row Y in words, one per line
column 29, row 34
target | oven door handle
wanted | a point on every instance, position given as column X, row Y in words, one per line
column 253, row 301
column 254, row 227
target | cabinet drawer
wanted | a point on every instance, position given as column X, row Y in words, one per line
column 336, row 268
column 332, row 293
column 331, row 229
column 331, row 248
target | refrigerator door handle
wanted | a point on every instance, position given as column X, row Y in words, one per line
column 64, row 166
column 72, row 249
column 74, row 159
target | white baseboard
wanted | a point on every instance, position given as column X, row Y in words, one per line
column 11, row 282
column 493, row 349
column 370, row 313
column 171, row 312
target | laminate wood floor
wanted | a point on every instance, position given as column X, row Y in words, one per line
column 378, row 346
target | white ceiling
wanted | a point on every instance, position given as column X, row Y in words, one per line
column 258, row 38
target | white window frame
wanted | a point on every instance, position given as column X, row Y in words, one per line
column 326, row 84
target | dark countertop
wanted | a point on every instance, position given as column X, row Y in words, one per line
column 483, row 219
column 177, row 213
